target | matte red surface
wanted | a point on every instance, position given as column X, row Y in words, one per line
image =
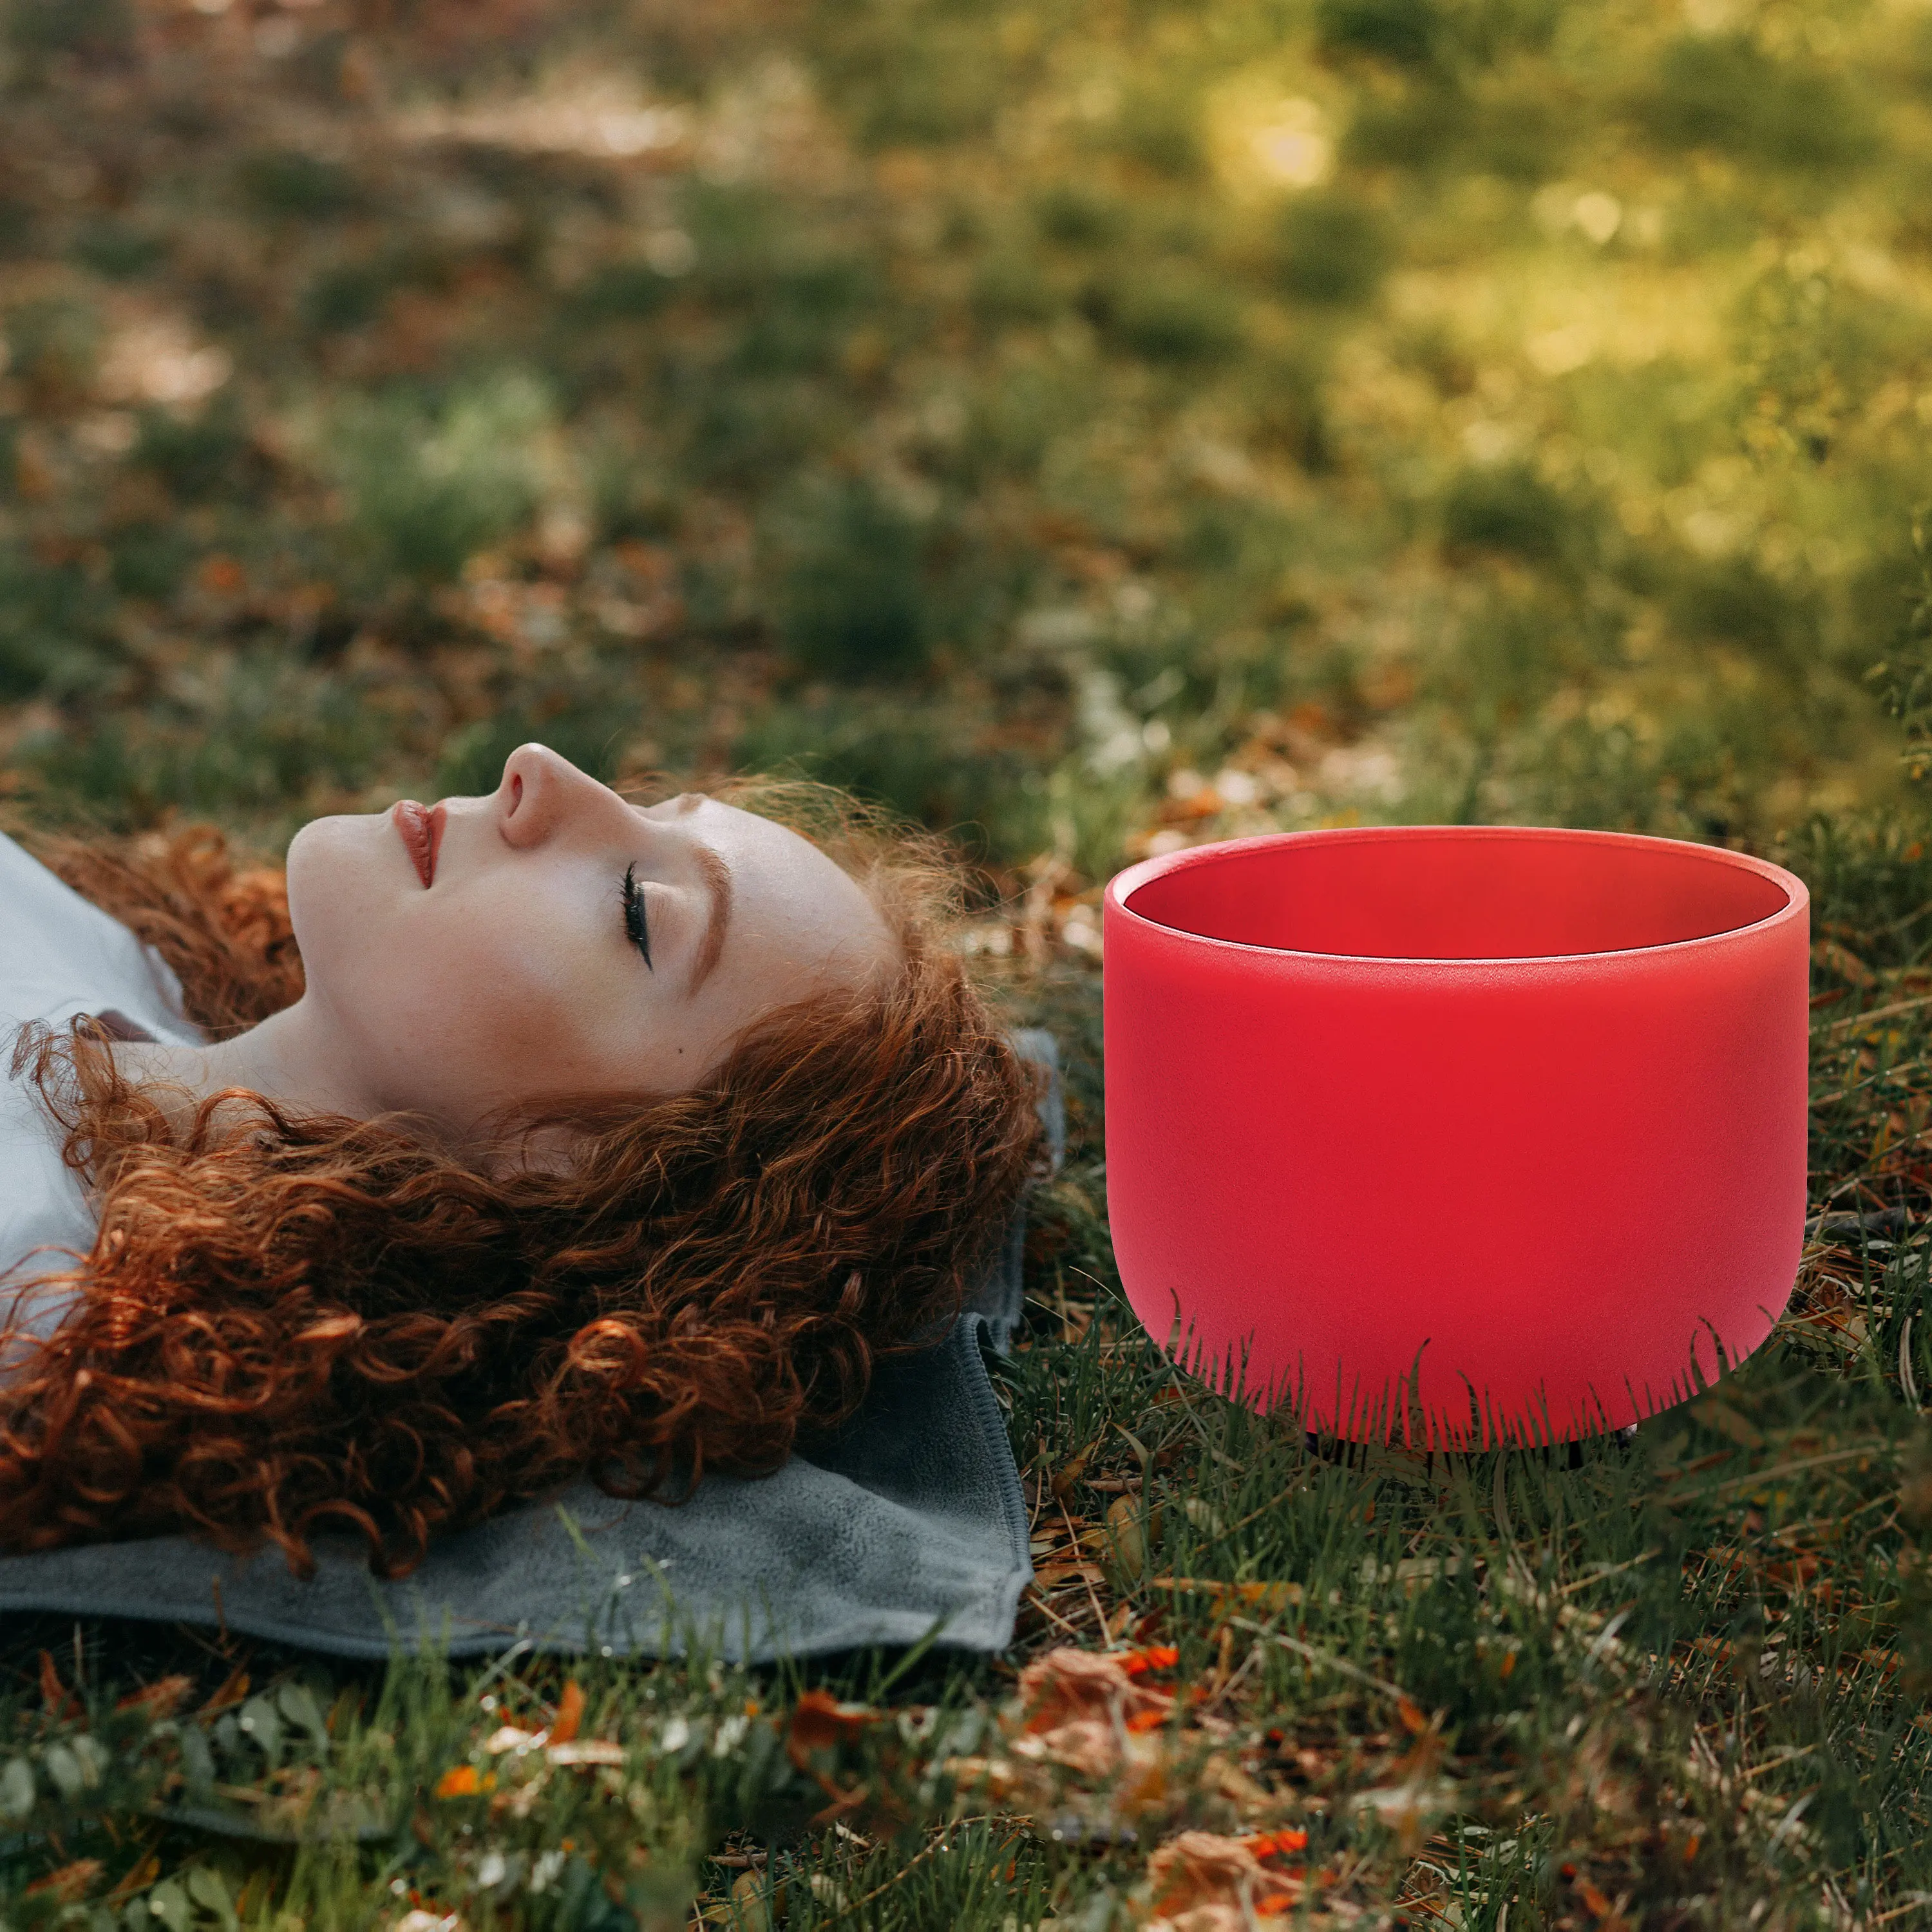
column 1419, row 1117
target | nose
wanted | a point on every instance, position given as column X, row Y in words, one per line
column 543, row 794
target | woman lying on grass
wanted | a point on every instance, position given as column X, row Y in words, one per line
column 529, row 1135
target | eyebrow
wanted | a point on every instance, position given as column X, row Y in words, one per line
column 717, row 876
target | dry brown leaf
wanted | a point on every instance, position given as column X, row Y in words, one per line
column 819, row 1722
column 994, row 1776
column 1129, row 1536
column 754, row 1902
column 1088, row 1713
column 1213, row 1916
column 1091, row 1746
column 569, row 1713
column 1068, row 1684
column 586, row 1751
column 70, row 1882
column 159, row 1699
column 1063, row 1483
column 1277, row 1595
column 1195, row 1881
column 136, row 1878
column 1833, row 957
column 1223, row 1776
column 508, row 1737
column 1056, row 1575
column 231, row 1692
column 59, row 1702
column 1719, row 1415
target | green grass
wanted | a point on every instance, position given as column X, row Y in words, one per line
column 1094, row 429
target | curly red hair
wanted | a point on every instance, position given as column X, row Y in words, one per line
column 311, row 1323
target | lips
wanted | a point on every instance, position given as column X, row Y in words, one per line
column 420, row 828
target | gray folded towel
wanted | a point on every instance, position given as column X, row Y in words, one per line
column 908, row 1523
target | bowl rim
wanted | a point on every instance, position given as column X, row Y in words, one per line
column 1130, row 879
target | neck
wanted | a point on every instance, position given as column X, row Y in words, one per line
column 284, row 1058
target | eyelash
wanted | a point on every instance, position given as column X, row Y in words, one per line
column 634, row 927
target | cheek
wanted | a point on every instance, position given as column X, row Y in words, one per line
column 485, row 999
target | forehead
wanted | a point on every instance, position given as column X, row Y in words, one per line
column 734, row 834
column 776, row 873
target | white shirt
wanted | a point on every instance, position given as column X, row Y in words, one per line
column 58, row 956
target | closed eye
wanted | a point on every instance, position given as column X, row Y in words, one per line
column 634, row 927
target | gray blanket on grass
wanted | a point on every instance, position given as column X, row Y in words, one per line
column 909, row 1524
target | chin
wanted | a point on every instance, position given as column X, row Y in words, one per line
column 335, row 881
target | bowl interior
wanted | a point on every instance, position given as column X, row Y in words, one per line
column 1448, row 895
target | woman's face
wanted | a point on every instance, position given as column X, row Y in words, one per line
column 491, row 952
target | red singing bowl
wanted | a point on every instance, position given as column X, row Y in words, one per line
column 1456, row 1134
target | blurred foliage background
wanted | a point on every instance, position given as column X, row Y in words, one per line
column 1091, row 424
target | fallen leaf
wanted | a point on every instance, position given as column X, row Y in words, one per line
column 1062, row 1483
column 1199, row 1876
column 508, row 1737
column 1212, row 1917
column 1599, row 1908
column 159, row 1699
column 1204, row 1515
column 1275, row 1844
column 1405, row 1809
column 233, row 1692
column 1058, row 1576
column 755, row 1903
column 586, row 1751
column 1131, row 1534
column 994, row 1775
column 70, row 1882
column 136, row 1878
column 819, row 1722
column 1726, row 1421
column 1833, row 957
column 1068, row 1684
column 1089, row 1745
column 1266, row 1596
column 60, row 1702
column 569, row 1713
